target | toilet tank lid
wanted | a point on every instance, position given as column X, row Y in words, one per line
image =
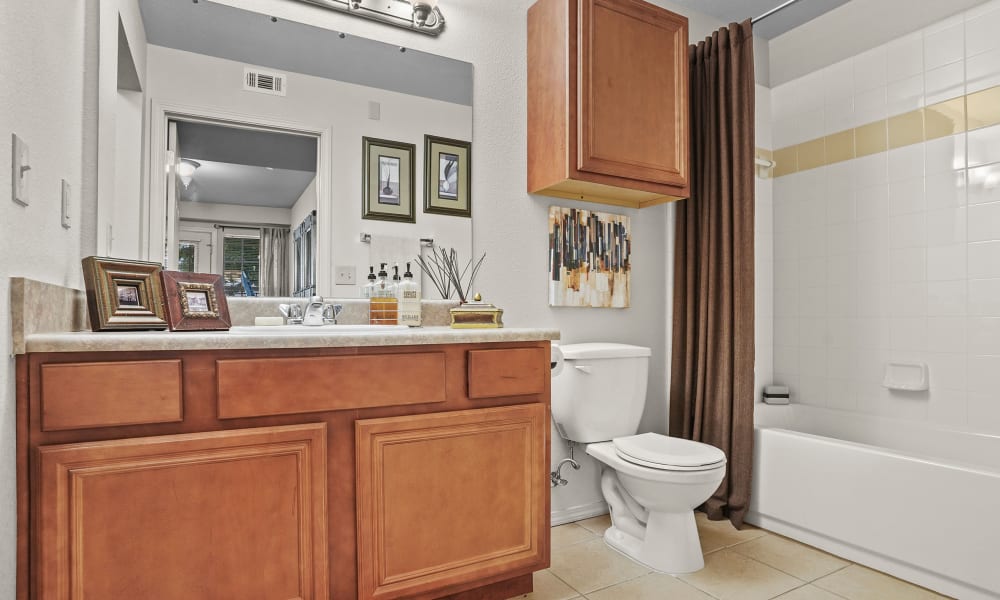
column 602, row 350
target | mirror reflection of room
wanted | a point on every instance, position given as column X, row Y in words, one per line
column 205, row 68
column 246, row 206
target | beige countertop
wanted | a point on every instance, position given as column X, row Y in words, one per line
column 131, row 341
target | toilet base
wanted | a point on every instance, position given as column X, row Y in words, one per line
column 670, row 546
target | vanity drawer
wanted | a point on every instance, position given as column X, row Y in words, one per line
column 508, row 372
column 276, row 386
column 108, row 394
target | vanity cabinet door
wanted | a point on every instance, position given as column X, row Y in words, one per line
column 451, row 501
column 232, row 514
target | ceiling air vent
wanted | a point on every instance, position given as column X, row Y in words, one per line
column 265, row 82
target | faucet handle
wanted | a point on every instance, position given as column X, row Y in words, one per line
column 292, row 312
column 330, row 313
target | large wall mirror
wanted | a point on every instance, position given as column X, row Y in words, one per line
column 231, row 142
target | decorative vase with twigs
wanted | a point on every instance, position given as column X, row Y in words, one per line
column 443, row 268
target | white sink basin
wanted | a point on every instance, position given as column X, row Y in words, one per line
column 314, row 330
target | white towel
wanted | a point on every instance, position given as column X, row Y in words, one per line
column 394, row 250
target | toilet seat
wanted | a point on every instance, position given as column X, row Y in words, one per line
column 656, row 451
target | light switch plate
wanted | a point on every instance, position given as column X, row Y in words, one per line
column 345, row 275
column 19, row 171
column 65, row 204
column 374, row 110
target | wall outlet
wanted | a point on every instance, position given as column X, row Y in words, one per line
column 65, row 204
column 19, row 171
column 345, row 275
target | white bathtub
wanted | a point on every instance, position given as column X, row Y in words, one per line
column 920, row 503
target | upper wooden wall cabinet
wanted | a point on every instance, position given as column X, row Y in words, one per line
column 608, row 102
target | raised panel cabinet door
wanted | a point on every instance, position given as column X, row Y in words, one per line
column 449, row 501
column 231, row 514
column 632, row 98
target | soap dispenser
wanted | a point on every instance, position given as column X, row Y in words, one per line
column 409, row 300
column 394, row 286
column 369, row 290
column 383, row 306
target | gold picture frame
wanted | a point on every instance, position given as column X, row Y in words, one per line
column 447, row 176
column 195, row 301
column 123, row 295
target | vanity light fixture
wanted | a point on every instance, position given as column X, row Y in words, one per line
column 422, row 16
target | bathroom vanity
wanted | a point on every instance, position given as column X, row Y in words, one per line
column 407, row 464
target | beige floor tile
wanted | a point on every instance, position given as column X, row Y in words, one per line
column 549, row 587
column 654, row 586
column 715, row 535
column 731, row 576
column 590, row 566
column 798, row 560
column 596, row 524
column 861, row 583
column 571, row 533
column 808, row 592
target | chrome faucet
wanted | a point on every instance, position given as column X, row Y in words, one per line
column 315, row 312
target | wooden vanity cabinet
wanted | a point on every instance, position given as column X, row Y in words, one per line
column 206, row 487
column 608, row 117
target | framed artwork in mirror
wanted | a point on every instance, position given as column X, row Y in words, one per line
column 123, row 295
column 447, row 176
column 195, row 301
column 388, row 182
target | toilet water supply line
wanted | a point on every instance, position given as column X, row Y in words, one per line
column 555, row 477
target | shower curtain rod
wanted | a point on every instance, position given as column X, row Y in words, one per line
column 772, row 11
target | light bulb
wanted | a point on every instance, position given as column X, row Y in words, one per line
column 186, row 169
column 423, row 10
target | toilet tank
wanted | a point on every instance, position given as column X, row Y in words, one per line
column 600, row 392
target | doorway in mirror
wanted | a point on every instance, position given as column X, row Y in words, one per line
column 234, row 192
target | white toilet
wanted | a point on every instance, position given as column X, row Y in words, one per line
column 651, row 482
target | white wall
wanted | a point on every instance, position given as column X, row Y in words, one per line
column 851, row 29
column 763, row 251
column 896, row 255
column 175, row 76
column 42, row 45
column 213, row 212
column 119, row 128
column 306, row 203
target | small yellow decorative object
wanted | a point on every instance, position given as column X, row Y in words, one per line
column 478, row 297
column 477, row 315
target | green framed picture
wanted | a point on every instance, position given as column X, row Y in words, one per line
column 447, row 176
column 388, row 180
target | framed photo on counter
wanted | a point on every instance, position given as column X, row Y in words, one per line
column 123, row 295
column 195, row 301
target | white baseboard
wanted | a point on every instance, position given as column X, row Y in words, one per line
column 578, row 513
column 862, row 556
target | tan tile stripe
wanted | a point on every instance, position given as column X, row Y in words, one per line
column 965, row 113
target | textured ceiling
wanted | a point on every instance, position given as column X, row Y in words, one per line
column 773, row 26
column 244, row 166
column 226, row 183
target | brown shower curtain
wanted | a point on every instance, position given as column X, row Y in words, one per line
column 711, row 373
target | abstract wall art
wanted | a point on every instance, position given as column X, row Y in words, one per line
column 590, row 260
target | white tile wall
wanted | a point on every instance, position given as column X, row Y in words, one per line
column 896, row 255
column 764, row 265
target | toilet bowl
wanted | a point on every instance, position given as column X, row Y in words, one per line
column 652, row 508
column 651, row 482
